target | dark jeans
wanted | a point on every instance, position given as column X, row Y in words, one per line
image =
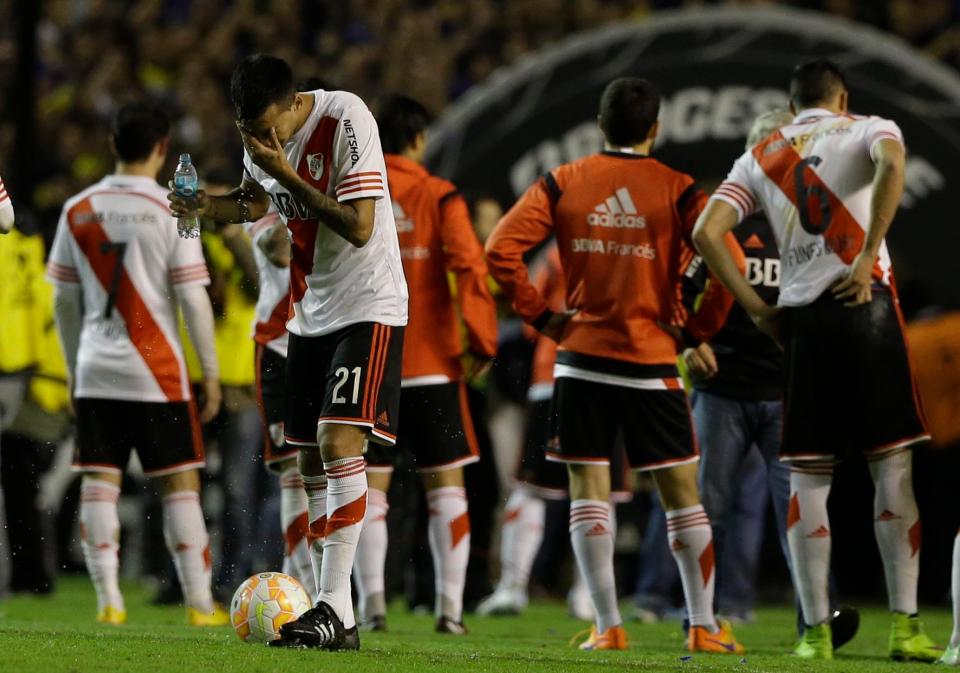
column 735, row 479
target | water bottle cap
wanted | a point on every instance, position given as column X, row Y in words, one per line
column 184, row 158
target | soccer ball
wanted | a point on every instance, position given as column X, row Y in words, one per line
column 264, row 603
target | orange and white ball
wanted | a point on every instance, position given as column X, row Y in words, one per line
column 264, row 603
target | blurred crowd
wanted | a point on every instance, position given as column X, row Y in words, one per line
column 92, row 54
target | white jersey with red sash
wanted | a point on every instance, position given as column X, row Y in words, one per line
column 118, row 240
column 813, row 178
column 333, row 283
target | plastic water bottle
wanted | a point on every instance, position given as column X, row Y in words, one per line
column 185, row 184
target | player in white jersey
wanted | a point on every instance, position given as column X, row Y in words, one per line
column 316, row 155
column 121, row 273
column 830, row 184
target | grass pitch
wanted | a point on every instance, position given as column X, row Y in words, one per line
column 59, row 635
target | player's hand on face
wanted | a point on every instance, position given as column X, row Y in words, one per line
column 212, row 399
column 557, row 324
column 701, row 362
column 768, row 322
column 855, row 288
column 194, row 206
column 269, row 156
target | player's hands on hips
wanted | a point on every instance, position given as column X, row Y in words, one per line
column 855, row 288
column 268, row 156
column 557, row 324
column 767, row 321
column 700, row 362
column 212, row 399
column 194, row 206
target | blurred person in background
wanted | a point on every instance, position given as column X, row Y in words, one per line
column 447, row 279
column 121, row 271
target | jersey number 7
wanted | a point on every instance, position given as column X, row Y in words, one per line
column 117, row 248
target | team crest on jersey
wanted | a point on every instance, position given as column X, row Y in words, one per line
column 315, row 166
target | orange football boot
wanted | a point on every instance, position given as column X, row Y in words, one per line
column 701, row 639
column 614, row 638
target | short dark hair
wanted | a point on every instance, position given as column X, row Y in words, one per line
column 400, row 119
column 258, row 82
column 137, row 128
column 628, row 109
column 815, row 82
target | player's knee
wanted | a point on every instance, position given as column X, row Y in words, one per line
column 589, row 482
column 433, row 479
column 340, row 441
column 677, row 486
column 188, row 480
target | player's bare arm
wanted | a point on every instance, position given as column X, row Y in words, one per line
column 715, row 222
column 353, row 220
column 888, row 178
column 246, row 203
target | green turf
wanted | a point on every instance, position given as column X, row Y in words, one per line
column 54, row 635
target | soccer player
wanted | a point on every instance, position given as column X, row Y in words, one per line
column 436, row 241
column 737, row 404
column 316, row 156
column 622, row 221
column 271, row 251
column 830, row 183
column 121, row 271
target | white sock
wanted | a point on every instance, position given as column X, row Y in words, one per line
column 368, row 566
column 808, row 535
column 520, row 538
column 590, row 534
column 346, row 508
column 579, row 590
column 955, row 592
column 448, row 529
column 186, row 536
column 296, row 529
column 896, row 523
column 315, row 487
column 100, row 539
column 691, row 542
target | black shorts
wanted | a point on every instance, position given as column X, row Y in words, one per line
column 271, row 371
column 165, row 435
column 350, row 377
column 849, row 386
column 549, row 478
column 654, row 423
column 437, row 430
column 546, row 477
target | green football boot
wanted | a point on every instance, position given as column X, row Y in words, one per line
column 816, row 643
column 908, row 642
